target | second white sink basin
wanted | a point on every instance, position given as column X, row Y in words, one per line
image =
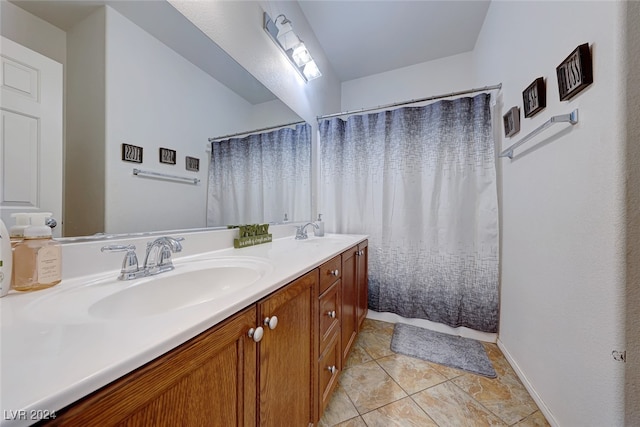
column 190, row 284
column 334, row 240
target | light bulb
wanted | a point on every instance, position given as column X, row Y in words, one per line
column 286, row 37
column 301, row 55
column 311, row 70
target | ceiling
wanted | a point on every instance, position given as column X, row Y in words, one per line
column 360, row 38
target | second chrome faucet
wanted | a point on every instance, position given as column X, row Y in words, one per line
column 157, row 259
column 301, row 231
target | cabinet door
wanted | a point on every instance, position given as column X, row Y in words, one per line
column 363, row 281
column 287, row 353
column 210, row 380
column 349, row 301
column 329, row 367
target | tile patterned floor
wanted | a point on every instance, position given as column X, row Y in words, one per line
column 379, row 388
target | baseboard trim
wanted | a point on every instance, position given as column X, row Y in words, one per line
column 438, row 327
column 527, row 384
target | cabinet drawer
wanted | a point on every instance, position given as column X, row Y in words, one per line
column 330, row 272
column 329, row 368
column 329, row 314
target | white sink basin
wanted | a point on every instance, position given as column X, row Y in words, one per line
column 190, row 284
column 322, row 241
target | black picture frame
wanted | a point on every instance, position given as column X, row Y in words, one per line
column 511, row 122
column 534, row 98
column 131, row 153
column 575, row 73
column 167, row 156
column 192, row 163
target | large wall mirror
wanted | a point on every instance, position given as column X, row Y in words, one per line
column 139, row 74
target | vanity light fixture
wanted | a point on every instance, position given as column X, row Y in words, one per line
column 281, row 32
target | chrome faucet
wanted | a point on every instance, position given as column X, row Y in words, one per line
column 301, row 231
column 157, row 259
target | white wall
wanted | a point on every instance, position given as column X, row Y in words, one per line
column 85, row 123
column 632, row 119
column 32, row 32
column 446, row 75
column 269, row 113
column 562, row 199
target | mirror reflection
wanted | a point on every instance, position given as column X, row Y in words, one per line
column 254, row 177
column 141, row 82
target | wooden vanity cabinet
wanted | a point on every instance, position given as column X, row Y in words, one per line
column 224, row 378
column 210, row 380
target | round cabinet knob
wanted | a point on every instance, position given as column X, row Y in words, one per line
column 360, row 253
column 332, row 369
column 256, row 333
column 331, row 314
column 272, row 322
column 335, row 272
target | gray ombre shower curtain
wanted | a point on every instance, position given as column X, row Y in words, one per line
column 261, row 177
column 421, row 182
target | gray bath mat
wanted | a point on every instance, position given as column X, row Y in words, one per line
column 456, row 352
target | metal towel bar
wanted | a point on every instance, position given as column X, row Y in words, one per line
column 166, row 176
column 564, row 118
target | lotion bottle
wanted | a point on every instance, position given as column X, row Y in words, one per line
column 6, row 259
column 319, row 232
column 38, row 258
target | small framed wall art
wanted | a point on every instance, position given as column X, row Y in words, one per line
column 511, row 122
column 167, row 156
column 131, row 153
column 192, row 164
column 534, row 97
column 575, row 73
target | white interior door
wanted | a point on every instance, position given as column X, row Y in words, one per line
column 30, row 133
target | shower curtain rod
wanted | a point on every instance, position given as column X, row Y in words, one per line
column 256, row 130
column 413, row 101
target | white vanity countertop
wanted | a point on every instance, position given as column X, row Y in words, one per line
column 47, row 365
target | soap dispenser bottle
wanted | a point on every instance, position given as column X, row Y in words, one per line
column 319, row 232
column 6, row 263
column 16, row 232
column 38, row 258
